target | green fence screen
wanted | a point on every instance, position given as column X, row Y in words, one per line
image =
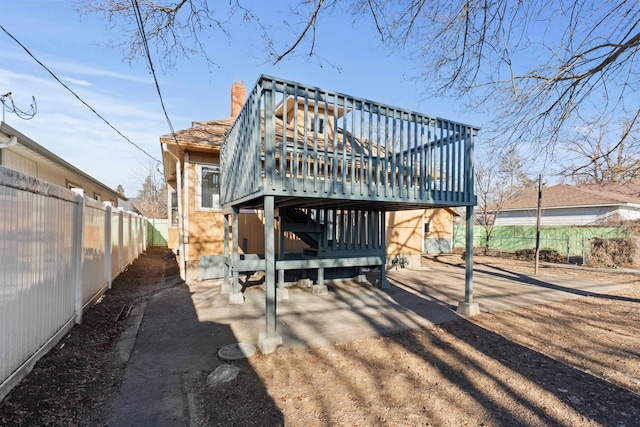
column 158, row 232
column 565, row 240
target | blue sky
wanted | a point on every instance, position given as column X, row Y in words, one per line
column 73, row 47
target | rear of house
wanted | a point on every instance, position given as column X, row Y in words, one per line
column 191, row 159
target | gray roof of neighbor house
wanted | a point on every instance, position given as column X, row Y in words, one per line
column 629, row 187
column 30, row 145
column 563, row 195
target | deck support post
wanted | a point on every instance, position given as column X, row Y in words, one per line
column 225, row 288
column 269, row 341
column 320, row 288
column 468, row 307
column 235, row 297
column 384, row 284
column 282, row 293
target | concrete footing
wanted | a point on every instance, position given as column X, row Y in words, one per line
column 236, row 299
column 361, row 278
column 320, row 290
column 468, row 309
column 382, row 284
column 225, row 288
column 282, row 294
column 269, row 344
column 305, row 283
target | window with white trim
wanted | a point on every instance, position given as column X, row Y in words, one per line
column 208, row 187
column 173, row 198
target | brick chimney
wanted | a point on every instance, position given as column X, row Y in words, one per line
column 238, row 96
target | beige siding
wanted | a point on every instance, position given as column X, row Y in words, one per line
column 441, row 223
column 64, row 178
column 206, row 227
column 405, row 229
column 404, row 232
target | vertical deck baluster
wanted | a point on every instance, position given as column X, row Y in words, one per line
column 362, row 140
column 404, row 159
column 344, row 145
column 415, row 180
column 294, row 155
column 334, row 228
column 459, row 166
column 316, row 122
column 363, row 224
column 334, row 163
column 326, row 143
column 392, row 145
column 376, row 229
column 450, row 162
column 453, row 171
column 423, row 164
column 253, row 139
column 378, row 172
column 349, row 230
column 400, row 156
column 352, row 141
column 441, row 143
column 269, row 137
column 305, row 137
column 370, row 149
column 283, row 145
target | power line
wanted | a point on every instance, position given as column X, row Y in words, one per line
column 153, row 71
column 76, row 95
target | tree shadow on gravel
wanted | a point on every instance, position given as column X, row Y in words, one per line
column 454, row 373
column 477, row 357
column 504, row 273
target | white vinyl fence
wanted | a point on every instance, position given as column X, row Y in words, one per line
column 59, row 252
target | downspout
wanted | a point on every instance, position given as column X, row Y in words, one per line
column 181, row 246
column 186, row 209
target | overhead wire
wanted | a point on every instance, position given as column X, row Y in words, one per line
column 145, row 43
column 77, row 96
column 24, row 115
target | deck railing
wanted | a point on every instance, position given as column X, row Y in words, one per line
column 295, row 140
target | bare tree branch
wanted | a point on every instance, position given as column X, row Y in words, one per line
column 303, row 33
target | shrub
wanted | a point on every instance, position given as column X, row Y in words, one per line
column 617, row 252
column 546, row 255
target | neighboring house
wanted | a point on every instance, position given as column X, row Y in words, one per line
column 20, row 153
column 593, row 204
column 191, row 159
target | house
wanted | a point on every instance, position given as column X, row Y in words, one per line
column 191, row 159
column 20, row 153
column 593, row 204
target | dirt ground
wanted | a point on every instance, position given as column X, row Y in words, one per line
column 574, row 363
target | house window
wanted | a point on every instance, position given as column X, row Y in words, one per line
column 316, row 124
column 97, row 197
column 72, row 185
column 209, row 187
column 173, row 198
column 427, row 228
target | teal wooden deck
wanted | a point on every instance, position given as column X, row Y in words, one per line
column 311, row 147
column 327, row 167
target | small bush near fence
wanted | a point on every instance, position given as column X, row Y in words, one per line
column 614, row 253
column 546, row 255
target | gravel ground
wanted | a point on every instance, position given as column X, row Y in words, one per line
column 574, row 363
